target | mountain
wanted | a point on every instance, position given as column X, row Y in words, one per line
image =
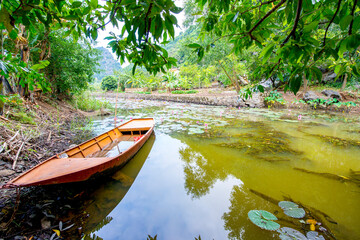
column 107, row 64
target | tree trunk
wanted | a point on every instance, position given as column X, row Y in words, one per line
column 344, row 83
column 305, row 83
column 1, row 92
column 232, row 80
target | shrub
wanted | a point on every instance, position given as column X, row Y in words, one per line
column 109, row 83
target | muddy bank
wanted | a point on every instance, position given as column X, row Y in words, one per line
column 229, row 98
column 214, row 98
column 50, row 127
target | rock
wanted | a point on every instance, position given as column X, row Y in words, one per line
column 6, row 172
column 332, row 94
column 356, row 85
column 45, row 223
column 257, row 100
column 310, row 95
column 327, row 77
column 267, row 84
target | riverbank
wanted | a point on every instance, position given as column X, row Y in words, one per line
column 312, row 100
column 29, row 134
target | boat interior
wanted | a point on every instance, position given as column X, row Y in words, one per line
column 111, row 143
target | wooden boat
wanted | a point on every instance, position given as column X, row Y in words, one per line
column 91, row 158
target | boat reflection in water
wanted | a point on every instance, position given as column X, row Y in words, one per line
column 98, row 203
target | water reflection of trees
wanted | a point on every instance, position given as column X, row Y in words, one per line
column 200, row 173
column 235, row 220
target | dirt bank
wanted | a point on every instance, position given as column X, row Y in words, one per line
column 229, row 97
column 29, row 134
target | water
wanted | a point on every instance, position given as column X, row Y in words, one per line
column 207, row 167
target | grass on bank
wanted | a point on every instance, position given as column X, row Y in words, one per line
column 86, row 102
column 184, row 91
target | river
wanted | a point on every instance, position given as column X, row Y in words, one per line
column 206, row 167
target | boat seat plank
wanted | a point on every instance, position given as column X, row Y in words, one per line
column 144, row 124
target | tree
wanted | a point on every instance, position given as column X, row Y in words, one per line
column 293, row 35
column 145, row 24
column 109, row 83
column 72, row 65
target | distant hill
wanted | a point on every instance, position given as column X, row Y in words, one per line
column 107, row 64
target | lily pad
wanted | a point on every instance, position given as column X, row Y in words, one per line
column 263, row 219
column 312, row 235
column 287, row 233
column 292, row 209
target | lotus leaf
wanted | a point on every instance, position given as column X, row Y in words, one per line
column 292, row 209
column 263, row 219
column 287, row 233
column 312, row 235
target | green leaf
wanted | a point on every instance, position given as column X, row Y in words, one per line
column 176, row 9
column 13, row 34
column 345, row 22
column 76, row 4
column 292, row 209
column 94, row 3
column 266, row 52
column 169, row 26
column 263, row 219
column 193, row 45
column 312, row 235
column 317, row 73
column 287, row 233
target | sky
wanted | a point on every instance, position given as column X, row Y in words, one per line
column 101, row 42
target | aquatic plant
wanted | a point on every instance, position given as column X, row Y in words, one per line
column 336, row 141
column 292, row 209
column 312, row 235
column 287, row 233
column 264, row 219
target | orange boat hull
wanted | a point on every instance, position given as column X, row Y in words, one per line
column 86, row 160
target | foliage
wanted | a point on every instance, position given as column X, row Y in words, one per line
column 184, row 92
column 109, row 83
column 86, row 102
column 292, row 36
column 146, row 24
column 292, row 209
column 143, row 92
column 263, row 219
column 72, row 65
column 274, row 97
column 13, row 66
column 287, row 233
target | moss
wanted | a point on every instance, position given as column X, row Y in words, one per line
column 22, row 117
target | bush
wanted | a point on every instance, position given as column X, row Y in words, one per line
column 109, row 83
column 184, row 92
column 86, row 102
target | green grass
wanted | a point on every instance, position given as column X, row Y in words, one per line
column 162, row 91
column 22, row 117
column 86, row 102
column 143, row 92
column 184, row 91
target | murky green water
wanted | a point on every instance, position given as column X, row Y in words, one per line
column 207, row 167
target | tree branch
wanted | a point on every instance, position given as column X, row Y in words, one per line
column 112, row 15
column 296, row 22
column 266, row 16
column 331, row 21
column 352, row 14
column 264, row 3
column 256, row 25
